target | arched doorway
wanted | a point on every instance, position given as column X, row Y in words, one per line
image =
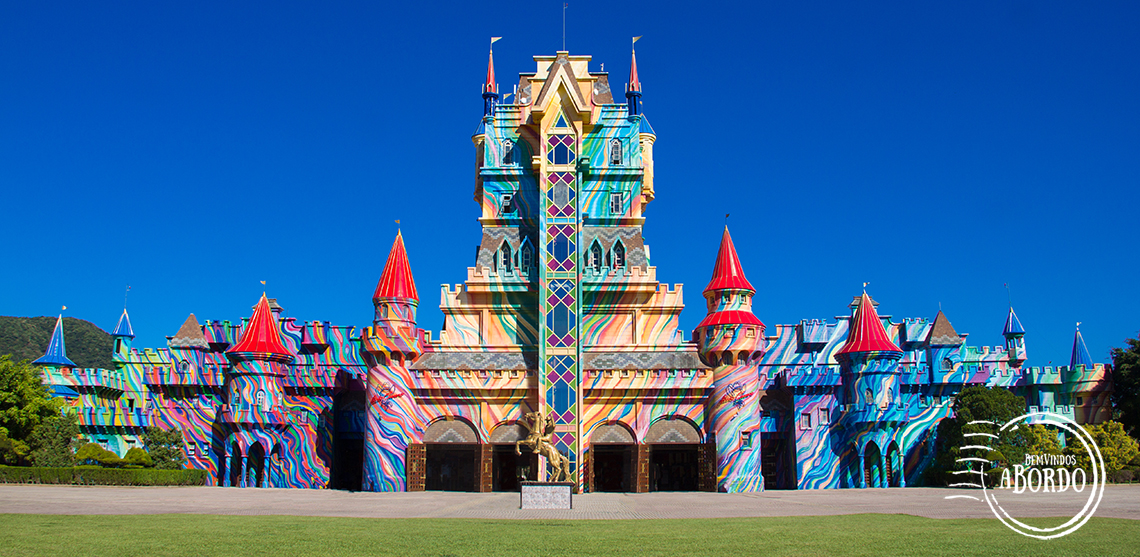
column 613, row 454
column 350, row 423
column 255, row 467
column 452, row 456
column 872, row 472
column 508, row 468
column 674, row 446
column 236, row 467
column 894, row 469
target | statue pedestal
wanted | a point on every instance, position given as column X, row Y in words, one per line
column 546, row 495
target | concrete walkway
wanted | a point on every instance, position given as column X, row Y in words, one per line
column 1120, row 501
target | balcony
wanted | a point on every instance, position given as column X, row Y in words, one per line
column 166, row 376
column 112, row 417
column 869, row 413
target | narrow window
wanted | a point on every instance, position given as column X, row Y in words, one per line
column 868, row 398
column 507, row 204
column 526, row 258
column 118, row 344
column 616, row 206
column 596, row 257
column 822, row 416
column 619, row 255
column 505, row 258
column 261, row 398
column 508, row 152
column 190, row 449
column 805, row 420
column 1080, row 401
column 615, row 151
column 947, row 365
column 185, row 366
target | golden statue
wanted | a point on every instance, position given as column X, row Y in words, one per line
column 538, row 440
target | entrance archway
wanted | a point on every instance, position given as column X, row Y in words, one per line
column 452, row 456
column 507, row 468
column 894, row 466
column 613, row 455
column 674, row 446
column 872, row 470
column 255, row 467
column 235, row 465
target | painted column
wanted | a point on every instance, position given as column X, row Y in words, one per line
column 560, row 295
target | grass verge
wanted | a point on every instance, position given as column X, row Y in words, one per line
column 198, row 535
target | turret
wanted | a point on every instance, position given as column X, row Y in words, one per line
column 731, row 341
column 56, row 353
column 395, row 298
column 122, row 336
column 1014, row 335
column 868, row 359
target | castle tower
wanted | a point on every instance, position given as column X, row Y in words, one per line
column 1014, row 335
column 56, row 353
column 731, row 340
column 255, row 398
column 390, row 345
column 869, row 373
column 490, row 88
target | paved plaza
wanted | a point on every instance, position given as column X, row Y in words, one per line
column 1120, row 501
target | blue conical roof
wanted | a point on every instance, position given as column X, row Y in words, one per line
column 56, row 351
column 1013, row 325
column 123, row 329
column 645, row 127
column 1081, row 355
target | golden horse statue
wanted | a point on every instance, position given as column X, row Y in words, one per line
column 538, row 440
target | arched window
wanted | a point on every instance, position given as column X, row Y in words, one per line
column 503, row 261
column 184, row 366
column 727, row 358
column 508, row 152
column 526, row 257
column 615, row 151
column 619, row 255
column 596, row 256
column 868, row 397
column 947, row 365
column 261, row 399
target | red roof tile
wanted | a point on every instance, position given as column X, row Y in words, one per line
column 867, row 333
column 261, row 335
column 727, row 273
column 634, row 82
column 731, row 317
column 490, row 86
column 397, row 281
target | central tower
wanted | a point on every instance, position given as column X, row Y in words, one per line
column 564, row 173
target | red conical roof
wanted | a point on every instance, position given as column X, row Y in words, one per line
column 867, row 333
column 727, row 273
column 634, row 82
column 397, row 281
column 261, row 335
column 490, row 86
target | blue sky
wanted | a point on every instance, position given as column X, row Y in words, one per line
column 937, row 151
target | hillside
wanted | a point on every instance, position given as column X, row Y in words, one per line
column 27, row 338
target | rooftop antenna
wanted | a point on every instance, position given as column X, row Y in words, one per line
column 125, row 296
column 726, row 220
column 1009, row 294
column 397, row 225
column 564, row 6
column 263, row 285
column 865, row 287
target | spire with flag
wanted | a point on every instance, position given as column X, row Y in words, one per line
column 490, row 88
column 1081, row 356
column 633, row 89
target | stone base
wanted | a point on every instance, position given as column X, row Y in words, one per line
column 546, row 495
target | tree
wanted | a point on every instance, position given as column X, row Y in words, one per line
column 12, row 451
column 1126, row 386
column 24, row 400
column 981, row 403
column 54, row 441
column 165, row 447
column 93, row 453
column 1117, row 448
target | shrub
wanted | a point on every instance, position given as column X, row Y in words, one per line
column 165, row 447
column 93, row 453
column 138, row 457
column 1120, row 476
column 84, row 475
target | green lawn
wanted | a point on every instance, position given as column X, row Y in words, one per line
column 280, row 536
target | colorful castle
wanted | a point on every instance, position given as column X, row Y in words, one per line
column 562, row 314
